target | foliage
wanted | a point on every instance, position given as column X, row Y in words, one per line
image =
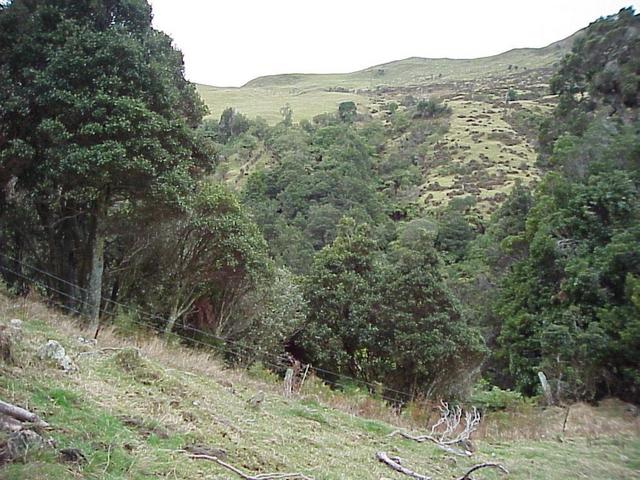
column 202, row 263
column 347, row 111
column 600, row 74
column 340, row 290
column 430, row 108
column 280, row 313
column 82, row 134
column 388, row 320
column 491, row 398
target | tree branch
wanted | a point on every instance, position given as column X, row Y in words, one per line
column 467, row 476
column 21, row 414
column 394, row 463
column 240, row 473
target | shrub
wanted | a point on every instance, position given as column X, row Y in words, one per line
column 494, row 398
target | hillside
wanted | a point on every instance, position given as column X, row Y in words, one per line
column 490, row 143
column 137, row 415
column 312, row 94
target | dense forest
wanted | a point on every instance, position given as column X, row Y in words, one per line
column 112, row 204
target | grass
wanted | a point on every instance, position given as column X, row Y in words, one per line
column 131, row 414
column 485, row 157
column 266, row 102
column 488, row 147
column 313, row 94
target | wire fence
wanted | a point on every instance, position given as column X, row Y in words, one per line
column 216, row 344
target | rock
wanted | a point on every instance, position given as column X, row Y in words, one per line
column 87, row 341
column 73, row 455
column 15, row 323
column 257, row 400
column 8, row 338
column 52, row 351
column 19, row 443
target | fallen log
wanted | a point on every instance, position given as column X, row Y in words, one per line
column 394, row 463
column 21, row 414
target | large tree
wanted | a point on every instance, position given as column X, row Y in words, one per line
column 95, row 112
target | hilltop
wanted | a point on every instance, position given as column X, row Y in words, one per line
column 312, row 94
column 135, row 407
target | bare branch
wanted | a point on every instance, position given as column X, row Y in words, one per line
column 240, row 473
column 467, row 476
column 450, row 419
column 394, row 463
column 21, row 414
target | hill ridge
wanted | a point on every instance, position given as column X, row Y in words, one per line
column 562, row 43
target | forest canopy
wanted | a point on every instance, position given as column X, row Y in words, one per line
column 115, row 199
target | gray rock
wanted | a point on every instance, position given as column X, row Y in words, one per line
column 15, row 323
column 87, row 341
column 52, row 351
column 20, row 443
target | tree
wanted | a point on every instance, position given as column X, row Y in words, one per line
column 423, row 340
column 339, row 291
column 287, row 115
column 98, row 113
column 213, row 254
column 231, row 124
column 347, row 111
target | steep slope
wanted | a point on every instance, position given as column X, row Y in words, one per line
column 136, row 407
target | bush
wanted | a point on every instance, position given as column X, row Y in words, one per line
column 494, row 398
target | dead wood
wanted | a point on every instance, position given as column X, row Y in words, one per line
column 451, row 429
column 240, row 473
column 467, row 476
column 288, row 383
column 21, row 414
column 394, row 463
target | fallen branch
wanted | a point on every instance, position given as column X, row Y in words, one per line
column 394, row 463
column 21, row 414
column 443, row 432
column 467, row 476
column 261, row 476
column 443, row 446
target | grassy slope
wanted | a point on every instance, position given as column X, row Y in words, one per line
column 482, row 155
column 183, row 398
column 312, row 94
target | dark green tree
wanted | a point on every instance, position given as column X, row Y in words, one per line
column 422, row 339
column 211, row 253
column 347, row 111
column 340, row 290
column 97, row 112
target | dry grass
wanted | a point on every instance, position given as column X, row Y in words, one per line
column 195, row 400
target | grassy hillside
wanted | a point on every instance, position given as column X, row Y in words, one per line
column 134, row 415
column 312, row 94
column 490, row 143
column 266, row 102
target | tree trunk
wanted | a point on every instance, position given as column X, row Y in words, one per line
column 173, row 317
column 96, row 268
column 170, row 323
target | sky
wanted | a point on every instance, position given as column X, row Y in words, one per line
column 229, row 42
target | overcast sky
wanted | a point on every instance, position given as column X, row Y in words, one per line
column 229, row 42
